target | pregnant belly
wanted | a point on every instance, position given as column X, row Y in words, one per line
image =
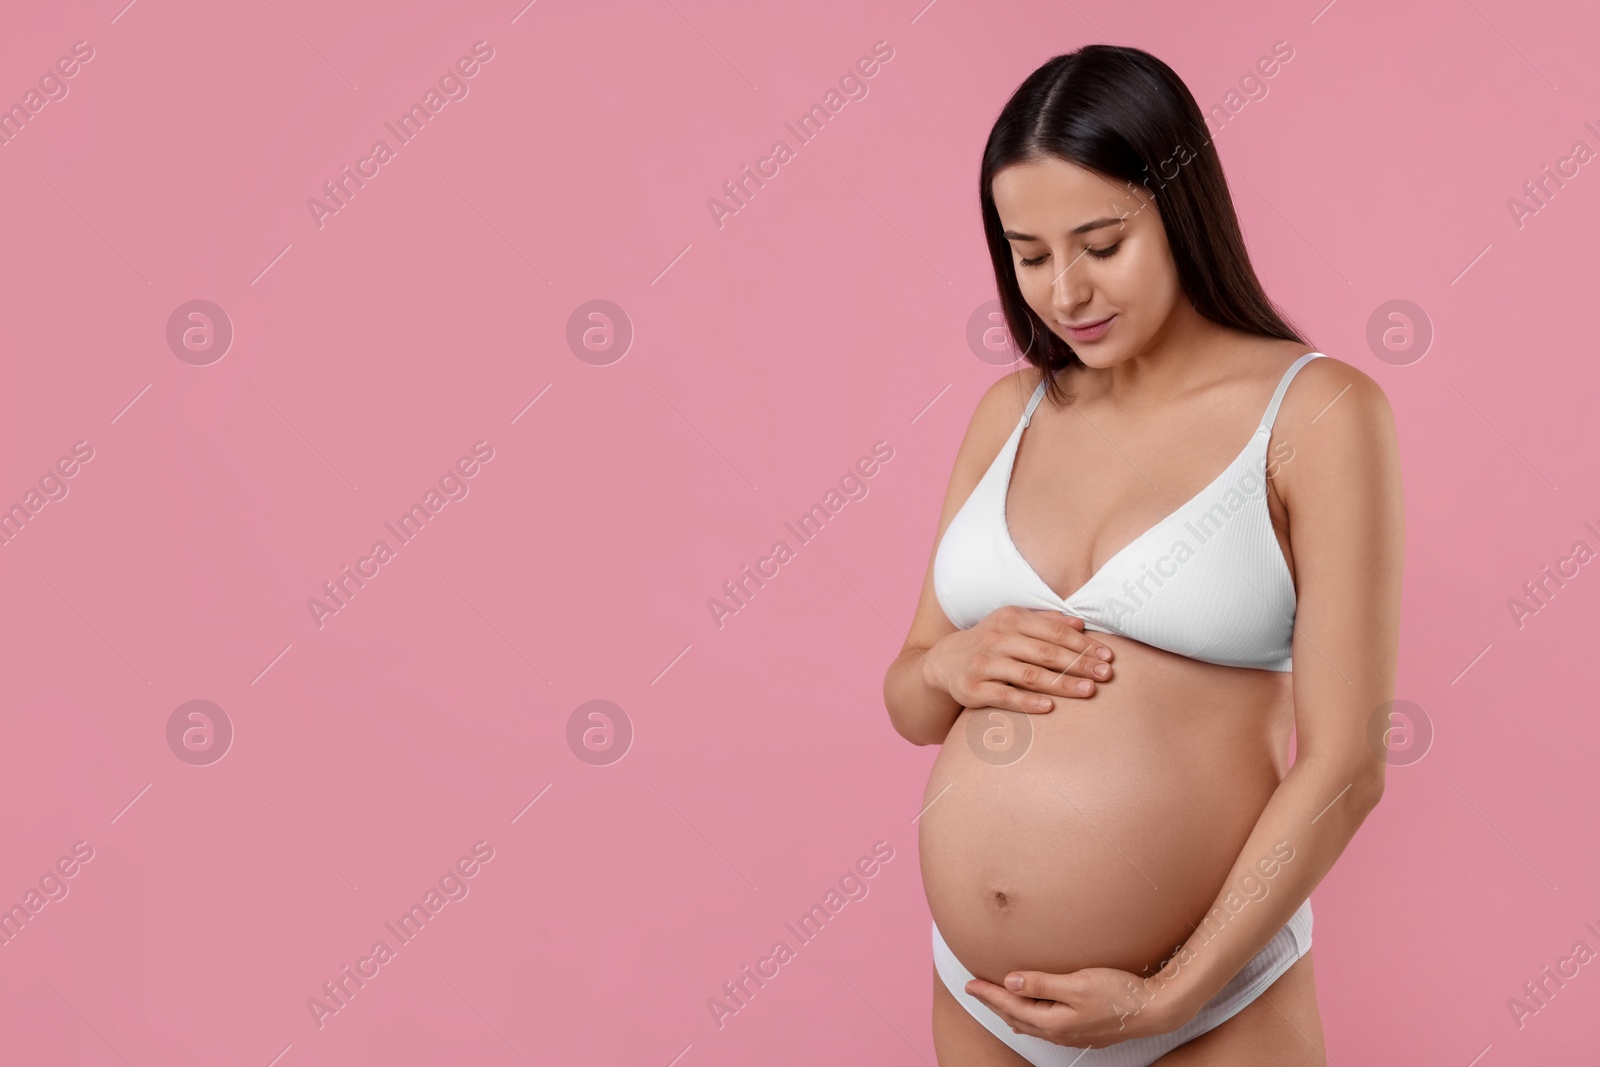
column 1112, row 834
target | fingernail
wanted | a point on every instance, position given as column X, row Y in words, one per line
column 1042, row 703
column 1101, row 671
column 1014, row 982
column 1103, row 652
column 1085, row 687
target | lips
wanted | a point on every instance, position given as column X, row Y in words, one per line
column 1090, row 331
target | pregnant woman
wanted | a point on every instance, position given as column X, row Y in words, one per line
column 1170, row 541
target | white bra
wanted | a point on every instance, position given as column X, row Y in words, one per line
column 1208, row 582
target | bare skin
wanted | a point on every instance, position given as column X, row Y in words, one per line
column 1140, row 803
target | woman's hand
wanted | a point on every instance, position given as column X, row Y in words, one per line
column 1096, row 1006
column 1017, row 658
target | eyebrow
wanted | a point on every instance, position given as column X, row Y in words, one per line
column 1092, row 224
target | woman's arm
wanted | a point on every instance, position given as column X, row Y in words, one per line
column 921, row 710
column 1013, row 656
column 1346, row 532
column 921, row 713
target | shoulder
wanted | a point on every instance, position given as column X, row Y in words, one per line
column 1336, row 424
column 1001, row 407
column 996, row 415
column 1328, row 388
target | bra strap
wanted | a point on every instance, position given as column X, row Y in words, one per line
column 1283, row 386
column 1033, row 402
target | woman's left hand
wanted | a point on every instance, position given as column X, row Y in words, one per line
column 1095, row 1006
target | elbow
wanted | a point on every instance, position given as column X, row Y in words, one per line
column 903, row 732
column 1356, row 784
column 1369, row 786
column 915, row 737
column 904, row 717
column 1351, row 771
column 918, row 731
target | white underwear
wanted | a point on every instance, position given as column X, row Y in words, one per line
column 1286, row 946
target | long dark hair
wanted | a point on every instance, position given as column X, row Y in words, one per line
column 1126, row 115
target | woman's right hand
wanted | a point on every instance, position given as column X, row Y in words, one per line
column 1019, row 659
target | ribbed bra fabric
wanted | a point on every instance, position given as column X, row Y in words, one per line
column 1208, row 581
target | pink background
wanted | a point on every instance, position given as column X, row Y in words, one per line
column 768, row 356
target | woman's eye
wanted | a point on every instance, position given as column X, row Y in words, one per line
column 1097, row 253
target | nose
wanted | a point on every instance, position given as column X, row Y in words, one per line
column 1070, row 288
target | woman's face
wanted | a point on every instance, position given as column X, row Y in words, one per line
column 1088, row 251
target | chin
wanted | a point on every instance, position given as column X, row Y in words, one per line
column 1098, row 355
